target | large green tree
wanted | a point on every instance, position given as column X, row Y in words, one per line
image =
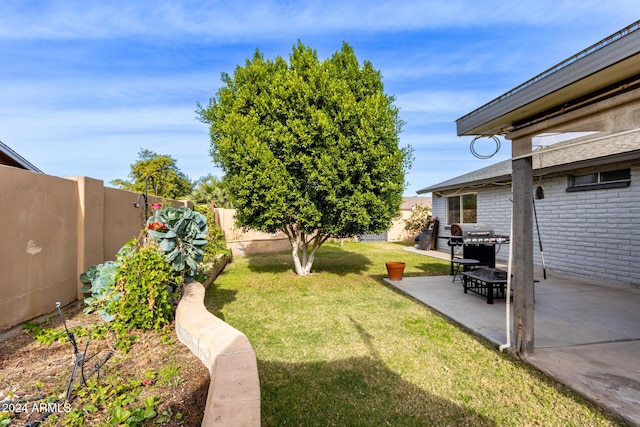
column 308, row 147
column 167, row 180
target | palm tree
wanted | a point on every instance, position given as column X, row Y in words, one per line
column 210, row 188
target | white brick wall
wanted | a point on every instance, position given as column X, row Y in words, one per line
column 586, row 233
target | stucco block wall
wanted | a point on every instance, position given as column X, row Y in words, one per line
column 244, row 242
column 592, row 234
column 119, row 216
column 397, row 233
column 54, row 229
column 39, row 244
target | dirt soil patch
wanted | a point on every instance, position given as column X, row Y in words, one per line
column 157, row 364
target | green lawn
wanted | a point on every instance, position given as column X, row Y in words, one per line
column 342, row 348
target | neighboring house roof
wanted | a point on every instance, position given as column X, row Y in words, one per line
column 597, row 68
column 409, row 202
column 11, row 158
column 559, row 157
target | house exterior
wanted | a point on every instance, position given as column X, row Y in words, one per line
column 594, row 90
column 587, row 204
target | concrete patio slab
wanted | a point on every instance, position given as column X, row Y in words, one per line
column 587, row 333
column 607, row 373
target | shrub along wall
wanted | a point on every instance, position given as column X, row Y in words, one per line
column 54, row 229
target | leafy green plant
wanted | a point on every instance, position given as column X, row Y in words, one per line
column 138, row 290
column 216, row 246
column 5, row 419
column 47, row 336
column 216, row 243
column 74, row 418
column 118, row 399
column 181, row 233
column 167, row 415
column 33, row 327
column 148, row 288
column 134, row 416
column 170, row 375
column 44, row 335
column 100, row 283
column 119, row 416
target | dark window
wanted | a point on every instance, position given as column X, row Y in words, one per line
column 453, row 209
column 468, row 202
column 600, row 180
column 469, row 208
column 578, row 180
column 619, row 175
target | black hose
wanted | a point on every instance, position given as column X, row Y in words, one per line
column 544, row 267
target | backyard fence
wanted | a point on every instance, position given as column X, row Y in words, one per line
column 54, row 229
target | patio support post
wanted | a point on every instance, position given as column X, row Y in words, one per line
column 522, row 239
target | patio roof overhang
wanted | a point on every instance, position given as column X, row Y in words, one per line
column 606, row 149
column 604, row 69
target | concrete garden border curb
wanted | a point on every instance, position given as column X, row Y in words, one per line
column 234, row 390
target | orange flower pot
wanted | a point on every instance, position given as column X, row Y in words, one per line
column 395, row 270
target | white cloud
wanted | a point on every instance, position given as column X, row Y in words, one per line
column 244, row 20
column 442, row 101
column 77, row 122
column 115, row 89
column 86, row 85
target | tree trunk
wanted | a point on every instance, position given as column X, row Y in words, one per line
column 302, row 257
column 297, row 265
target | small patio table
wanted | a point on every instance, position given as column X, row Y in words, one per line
column 465, row 264
column 484, row 281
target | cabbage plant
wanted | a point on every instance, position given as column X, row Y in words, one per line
column 100, row 282
column 181, row 234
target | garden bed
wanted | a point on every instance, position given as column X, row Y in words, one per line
column 157, row 373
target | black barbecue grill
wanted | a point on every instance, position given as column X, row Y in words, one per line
column 466, row 234
column 478, row 242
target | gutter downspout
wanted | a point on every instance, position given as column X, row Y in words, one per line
column 508, row 296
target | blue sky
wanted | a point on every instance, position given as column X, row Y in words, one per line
column 84, row 86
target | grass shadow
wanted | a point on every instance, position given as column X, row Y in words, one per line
column 272, row 263
column 340, row 261
column 358, row 391
column 329, row 258
column 216, row 298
